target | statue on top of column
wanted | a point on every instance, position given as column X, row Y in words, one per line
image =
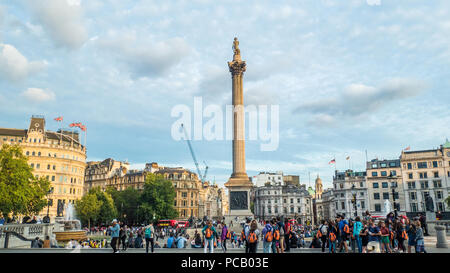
column 236, row 47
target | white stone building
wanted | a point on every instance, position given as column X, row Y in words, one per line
column 289, row 201
column 350, row 187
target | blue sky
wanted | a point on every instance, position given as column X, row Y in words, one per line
column 348, row 76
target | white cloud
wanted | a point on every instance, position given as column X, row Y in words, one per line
column 14, row 66
column 145, row 56
column 360, row 99
column 62, row 20
column 38, row 95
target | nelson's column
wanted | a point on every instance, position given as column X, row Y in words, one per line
column 239, row 185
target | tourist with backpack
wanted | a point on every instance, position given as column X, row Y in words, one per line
column 209, row 234
column 276, row 237
column 282, row 233
column 226, row 234
column 287, row 234
column 252, row 237
column 267, row 234
column 322, row 234
column 244, row 235
column 149, row 235
column 344, row 232
column 332, row 236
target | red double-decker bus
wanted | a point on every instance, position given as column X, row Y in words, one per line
column 167, row 223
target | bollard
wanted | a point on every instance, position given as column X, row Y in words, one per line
column 441, row 237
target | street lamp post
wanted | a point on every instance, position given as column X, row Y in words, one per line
column 47, row 217
column 394, row 186
column 354, row 200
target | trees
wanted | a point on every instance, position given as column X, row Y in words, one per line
column 156, row 200
column 127, row 203
column 20, row 191
column 107, row 210
column 88, row 208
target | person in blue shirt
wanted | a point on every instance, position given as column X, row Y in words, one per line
column 170, row 241
column 357, row 227
column 114, row 229
column 180, row 241
column 267, row 246
column 343, row 238
column 209, row 233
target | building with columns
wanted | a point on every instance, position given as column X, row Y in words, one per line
column 283, row 200
column 350, row 193
column 59, row 156
column 328, row 204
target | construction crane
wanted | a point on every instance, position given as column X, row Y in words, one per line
column 202, row 177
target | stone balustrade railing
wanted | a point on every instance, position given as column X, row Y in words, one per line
column 432, row 224
column 29, row 231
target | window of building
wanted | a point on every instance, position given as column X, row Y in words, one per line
column 377, row 207
column 375, row 185
column 385, row 195
column 383, row 173
column 422, row 165
column 53, row 178
column 424, row 184
column 376, row 196
column 423, row 175
column 298, row 200
column 292, row 209
column 414, row 207
column 374, row 166
column 439, row 195
column 412, row 196
column 384, row 185
column 383, row 165
column 411, row 185
column 435, row 164
column 436, row 174
column 409, row 166
column 393, row 173
column 343, row 205
column 363, row 205
column 410, row 175
column 437, row 183
column 361, row 184
column 440, row 206
column 392, row 164
column 374, row 173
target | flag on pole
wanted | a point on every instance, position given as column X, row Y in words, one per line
column 82, row 127
column 59, row 118
column 333, row 161
column 347, row 158
column 408, row 148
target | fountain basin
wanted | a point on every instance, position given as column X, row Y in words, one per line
column 65, row 236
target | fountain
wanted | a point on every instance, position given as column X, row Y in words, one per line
column 68, row 228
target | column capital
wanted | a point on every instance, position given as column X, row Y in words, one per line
column 237, row 67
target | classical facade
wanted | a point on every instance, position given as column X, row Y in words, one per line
column 188, row 188
column 426, row 173
column 288, row 201
column 328, row 204
column 384, row 182
column 211, row 201
column 262, row 178
column 59, row 156
column 98, row 173
column 350, row 190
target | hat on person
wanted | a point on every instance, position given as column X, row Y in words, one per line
column 115, row 220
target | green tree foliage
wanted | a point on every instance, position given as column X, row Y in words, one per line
column 108, row 210
column 156, row 200
column 20, row 191
column 127, row 203
column 88, row 208
column 448, row 201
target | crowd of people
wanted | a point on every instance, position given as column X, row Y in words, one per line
column 387, row 235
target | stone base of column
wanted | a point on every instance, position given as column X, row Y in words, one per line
column 239, row 180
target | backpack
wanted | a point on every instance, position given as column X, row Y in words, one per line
column 269, row 236
column 332, row 237
column 252, row 237
column 148, row 233
column 243, row 234
column 208, row 233
column 228, row 235
column 404, row 235
column 392, row 235
column 346, row 229
column 276, row 235
column 318, row 234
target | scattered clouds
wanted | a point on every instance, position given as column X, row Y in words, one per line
column 38, row 95
column 62, row 20
column 360, row 99
column 145, row 57
column 16, row 67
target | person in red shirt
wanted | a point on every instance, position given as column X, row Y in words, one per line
column 385, row 233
